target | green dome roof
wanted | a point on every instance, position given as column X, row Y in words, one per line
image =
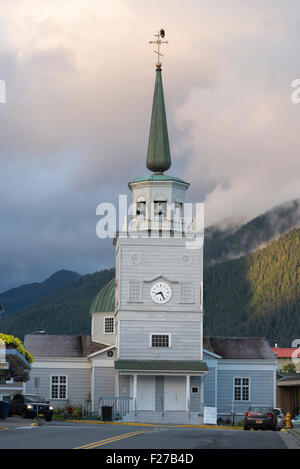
column 105, row 299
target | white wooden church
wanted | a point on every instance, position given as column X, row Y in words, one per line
column 146, row 354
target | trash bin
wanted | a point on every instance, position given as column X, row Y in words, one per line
column 106, row 413
column 4, row 409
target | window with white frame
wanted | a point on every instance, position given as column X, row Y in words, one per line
column 109, row 324
column 160, row 340
column 58, row 387
column 135, row 292
column 241, row 389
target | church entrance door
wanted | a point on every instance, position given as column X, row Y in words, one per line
column 146, row 393
column 175, row 389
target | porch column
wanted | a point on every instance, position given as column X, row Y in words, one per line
column 187, row 393
column 117, row 384
column 134, row 392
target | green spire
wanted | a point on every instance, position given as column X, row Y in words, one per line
column 158, row 154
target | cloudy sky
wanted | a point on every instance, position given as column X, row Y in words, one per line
column 79, row 78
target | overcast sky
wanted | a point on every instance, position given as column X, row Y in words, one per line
column 79, row 78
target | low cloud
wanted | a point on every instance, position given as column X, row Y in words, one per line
column 79, row 83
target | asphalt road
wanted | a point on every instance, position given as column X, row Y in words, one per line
column 101, row 436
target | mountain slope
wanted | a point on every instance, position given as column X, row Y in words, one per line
column 27, row 295
column 63, row 311
column 258, row 294
column 235, row 240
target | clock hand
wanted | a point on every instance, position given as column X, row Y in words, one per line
column 160, row 293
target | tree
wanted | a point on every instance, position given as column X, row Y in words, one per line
column 289, row 368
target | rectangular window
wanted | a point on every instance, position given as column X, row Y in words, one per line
column 160, row 340
column 187, row 295
column 58, row 387
column 109, row 325
column 241, row 389
column 135, row 292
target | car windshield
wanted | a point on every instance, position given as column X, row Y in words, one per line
column 35, row 399
column 259, row 408
column 297, row 417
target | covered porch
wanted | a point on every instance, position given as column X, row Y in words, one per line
column 162, row 391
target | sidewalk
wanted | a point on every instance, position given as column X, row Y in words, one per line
column 291, row 438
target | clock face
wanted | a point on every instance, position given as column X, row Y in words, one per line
column 161, row 292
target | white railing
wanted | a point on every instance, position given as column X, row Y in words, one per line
column 120, row 405
column 175, row 224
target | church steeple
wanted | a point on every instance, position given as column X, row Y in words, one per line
column 158, row 153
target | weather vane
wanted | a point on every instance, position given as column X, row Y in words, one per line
column 160, row 35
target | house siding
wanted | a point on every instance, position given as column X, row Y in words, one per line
column 158, row 256
column 104, row 383
column 261, row 389
column 135, row 340
column 78, row 390
column 159, row 392
column 210, row 388
column 195, row 399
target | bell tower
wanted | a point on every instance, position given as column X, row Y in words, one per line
column 159, row 287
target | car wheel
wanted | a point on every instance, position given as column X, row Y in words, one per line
column 48, row 419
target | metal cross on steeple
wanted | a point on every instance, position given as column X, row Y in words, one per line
column 159, row 35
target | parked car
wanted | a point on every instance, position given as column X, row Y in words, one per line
column 31, row 406
column 261, row 416
column 280, row 417
column 296, row 421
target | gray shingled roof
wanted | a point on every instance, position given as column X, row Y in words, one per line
column 44, row 345
column 239, row 347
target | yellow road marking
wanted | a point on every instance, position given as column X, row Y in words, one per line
column 164, row 425
column 95, row 444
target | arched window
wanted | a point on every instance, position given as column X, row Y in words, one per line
column 141, row 207
column 160, row 206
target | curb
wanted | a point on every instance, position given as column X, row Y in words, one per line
column 99, row 422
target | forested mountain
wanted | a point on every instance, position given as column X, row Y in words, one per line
column 236, row 240
column 251, row 285
column 63, row 311
column 27, row 295
column 257, row 294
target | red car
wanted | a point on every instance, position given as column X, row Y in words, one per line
column 261, row 416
